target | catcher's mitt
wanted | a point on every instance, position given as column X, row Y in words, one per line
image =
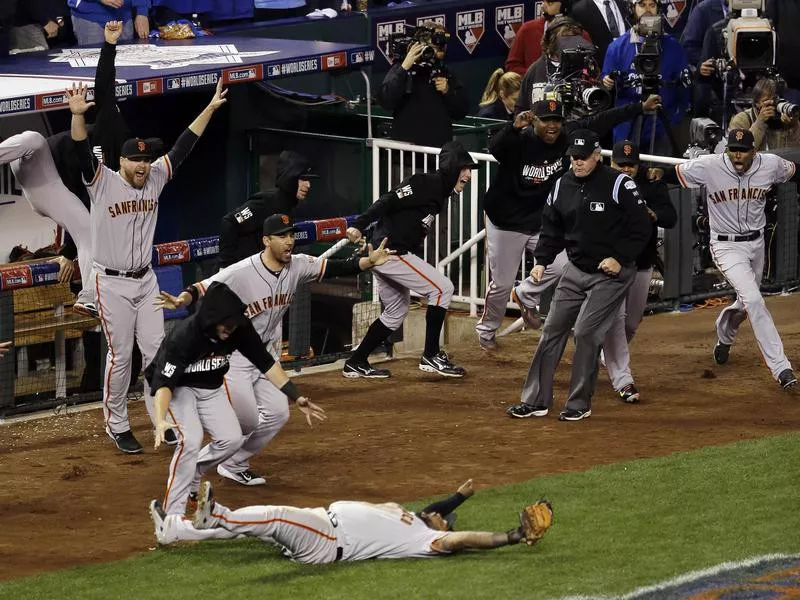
column 535, row 520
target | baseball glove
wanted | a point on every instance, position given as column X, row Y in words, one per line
column 535, row 520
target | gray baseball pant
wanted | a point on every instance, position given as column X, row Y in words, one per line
column 35, row 171
column 626, row 322
column 401, row 275
column 587, row 301
column 195, row 410
column 529, row 292
column 504, row 252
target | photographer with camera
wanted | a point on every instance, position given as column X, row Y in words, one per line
column 532, row 155
column 424, row 96
column 643, row 62
column 774, row 123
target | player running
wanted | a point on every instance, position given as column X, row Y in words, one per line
column 123, row 222
column 347, row 530
column 737, row 183
column 266, row 282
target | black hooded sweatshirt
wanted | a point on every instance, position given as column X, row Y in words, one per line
column 241, row 229
column 192, row 356
column 405, row 214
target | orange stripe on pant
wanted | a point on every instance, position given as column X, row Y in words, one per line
column 177, row 460
column 268, row 521
column 110, row 347
column 421, row 274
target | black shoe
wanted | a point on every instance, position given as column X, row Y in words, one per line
column 574, row 415
column 787, row 379
column 125, row 442
column 523, row 411
column 170, row 437
column 440, row 363
column 721, row 352
column 354, row 370
column 629, row 394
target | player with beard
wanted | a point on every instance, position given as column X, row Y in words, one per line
column 532, row 156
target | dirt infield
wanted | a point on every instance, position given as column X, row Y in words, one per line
column 69, row 498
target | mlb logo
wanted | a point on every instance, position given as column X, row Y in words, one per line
column 597, row 206
column 438, row 19
column 382, row 33
column 357, row 58
column 508, row 20
column 275, row 71
column 174, row 83
column 673, row 9
column 470, row 27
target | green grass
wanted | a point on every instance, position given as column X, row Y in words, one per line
column 616, row 528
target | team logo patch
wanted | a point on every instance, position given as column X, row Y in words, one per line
column 168, row 370
column 470, row 27
column 597, row 206
column 243, row 215
column 630, row 185
column 382, row 33
column 284, row 219
column 627, row 150
column 141, row 146
column 739, row 136
column 507, row 21
column 673, row 9
column 580, row 142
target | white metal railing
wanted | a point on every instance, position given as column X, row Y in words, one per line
column 399, row 159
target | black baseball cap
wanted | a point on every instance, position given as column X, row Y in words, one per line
column 308, row 173
column 278, row 224
column 137, row 149
column 625, row 152
column 548, row 109
column 582, row 143
column 740, row 139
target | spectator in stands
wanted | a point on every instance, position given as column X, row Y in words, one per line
column 704, row 15
column 500, row 95
column 785, row 15
column 562, row 33
column 424, row 101
column 90, row 16
column 240, row 234
column 527, row 46
column 38, row 24
column 620, row 58
column 604, row 20
column 770, row 129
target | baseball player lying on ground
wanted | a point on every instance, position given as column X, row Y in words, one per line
column 186, row 378
column 349, row 530
column 266, row 283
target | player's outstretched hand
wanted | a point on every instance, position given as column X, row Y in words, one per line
column 380, row 255
column 77, row 99
column 466, row 489
column 4, row 348
column 309, row 409
column 167, row 301
column 66, row 268
column 161, row 429
column 112, row 31
column 219, row 96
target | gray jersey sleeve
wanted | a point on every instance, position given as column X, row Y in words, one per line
column 309, row 268
column 781, row 170
column 694, row 173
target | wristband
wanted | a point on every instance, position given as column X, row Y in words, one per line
column 290, row 389
column 193, row 292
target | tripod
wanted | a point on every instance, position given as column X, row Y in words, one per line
column 658, row 116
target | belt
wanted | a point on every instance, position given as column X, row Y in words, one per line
column 745, row 237
column 335, row 523
column 133, row 274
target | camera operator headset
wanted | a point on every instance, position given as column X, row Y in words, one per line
column 424, row 96
column 773, row 122
column 638, row 65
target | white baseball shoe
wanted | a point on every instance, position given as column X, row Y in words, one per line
column 166, row 526
column 203, row 519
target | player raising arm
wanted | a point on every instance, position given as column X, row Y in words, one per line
column 266, row 282
column 123, row 221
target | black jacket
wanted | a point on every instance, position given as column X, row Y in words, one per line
column 192, row 356
column 587, row 14
column 529, row 167
column 421, row 115
column 241, row 229
column 405, row 214
column 495, row 110
column 594, row 218
column 786, row 16
column 656, row 196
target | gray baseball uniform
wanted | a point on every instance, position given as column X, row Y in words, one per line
column 736, row 216
column 123, row 226
column 35, row 171
column 262, row 408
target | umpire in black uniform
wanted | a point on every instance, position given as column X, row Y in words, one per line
column 241, row 229
column 598, row 216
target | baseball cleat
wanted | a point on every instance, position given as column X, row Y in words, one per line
column 356, row 370
column 523, row 411
column 629, row 394
column 440, row 363
column 574, row 415
column 125, row 442
column 205, row 506
column 529, row 317
column 721, row 352
column 246, row 477
column 787, row 379
column 87, row 309
column 165, row 529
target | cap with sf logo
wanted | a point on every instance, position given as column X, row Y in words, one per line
column 278, row 224
column 740, row 139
